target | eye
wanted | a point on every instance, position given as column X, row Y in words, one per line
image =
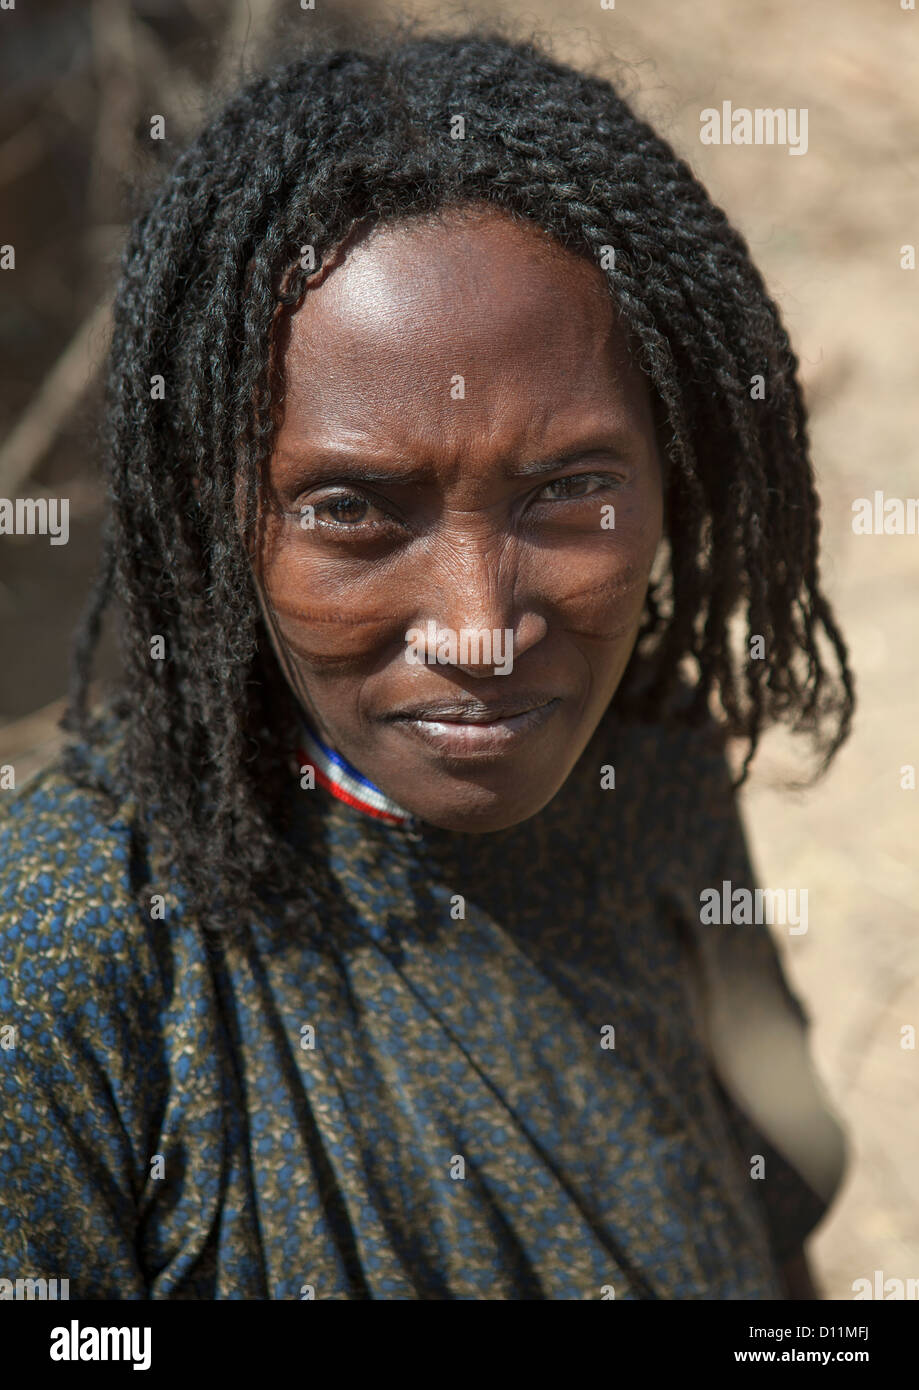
column 575, row 486
column 347, row 508
column 350, row 511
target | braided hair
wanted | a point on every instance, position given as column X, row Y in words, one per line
column 298, row 158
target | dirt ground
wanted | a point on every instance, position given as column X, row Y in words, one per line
column 826, row 229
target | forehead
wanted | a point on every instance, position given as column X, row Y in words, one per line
column 470, row 321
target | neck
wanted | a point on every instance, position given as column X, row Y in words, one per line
column 345, row 782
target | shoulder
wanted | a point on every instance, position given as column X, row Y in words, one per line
column 85, row 985
column 65, row 843
column 73, row 936
column 59, row 832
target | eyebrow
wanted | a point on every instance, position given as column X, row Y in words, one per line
column 535, row 468
column 355, row 466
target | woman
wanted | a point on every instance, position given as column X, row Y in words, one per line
column 357, row 949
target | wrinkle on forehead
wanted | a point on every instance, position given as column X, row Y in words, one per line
column 408, row 308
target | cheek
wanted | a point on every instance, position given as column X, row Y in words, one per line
column 326, row 610
column 597, row 581
column 597, row 591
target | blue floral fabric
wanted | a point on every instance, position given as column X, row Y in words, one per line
column 487, row 1077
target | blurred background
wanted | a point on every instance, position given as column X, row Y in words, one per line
column 78, row 85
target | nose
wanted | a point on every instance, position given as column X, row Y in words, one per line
column 472, row 616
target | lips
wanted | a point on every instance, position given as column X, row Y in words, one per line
column 471, row 711
column 475, row 732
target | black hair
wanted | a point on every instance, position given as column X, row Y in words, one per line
column 301, row 156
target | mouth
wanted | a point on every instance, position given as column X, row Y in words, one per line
column 475, row 728
column 469, row 711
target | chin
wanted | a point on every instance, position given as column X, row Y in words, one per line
column 478, row 811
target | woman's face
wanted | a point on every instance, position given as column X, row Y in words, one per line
column 462, row 424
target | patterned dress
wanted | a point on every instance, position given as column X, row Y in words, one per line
column 509, row 1066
